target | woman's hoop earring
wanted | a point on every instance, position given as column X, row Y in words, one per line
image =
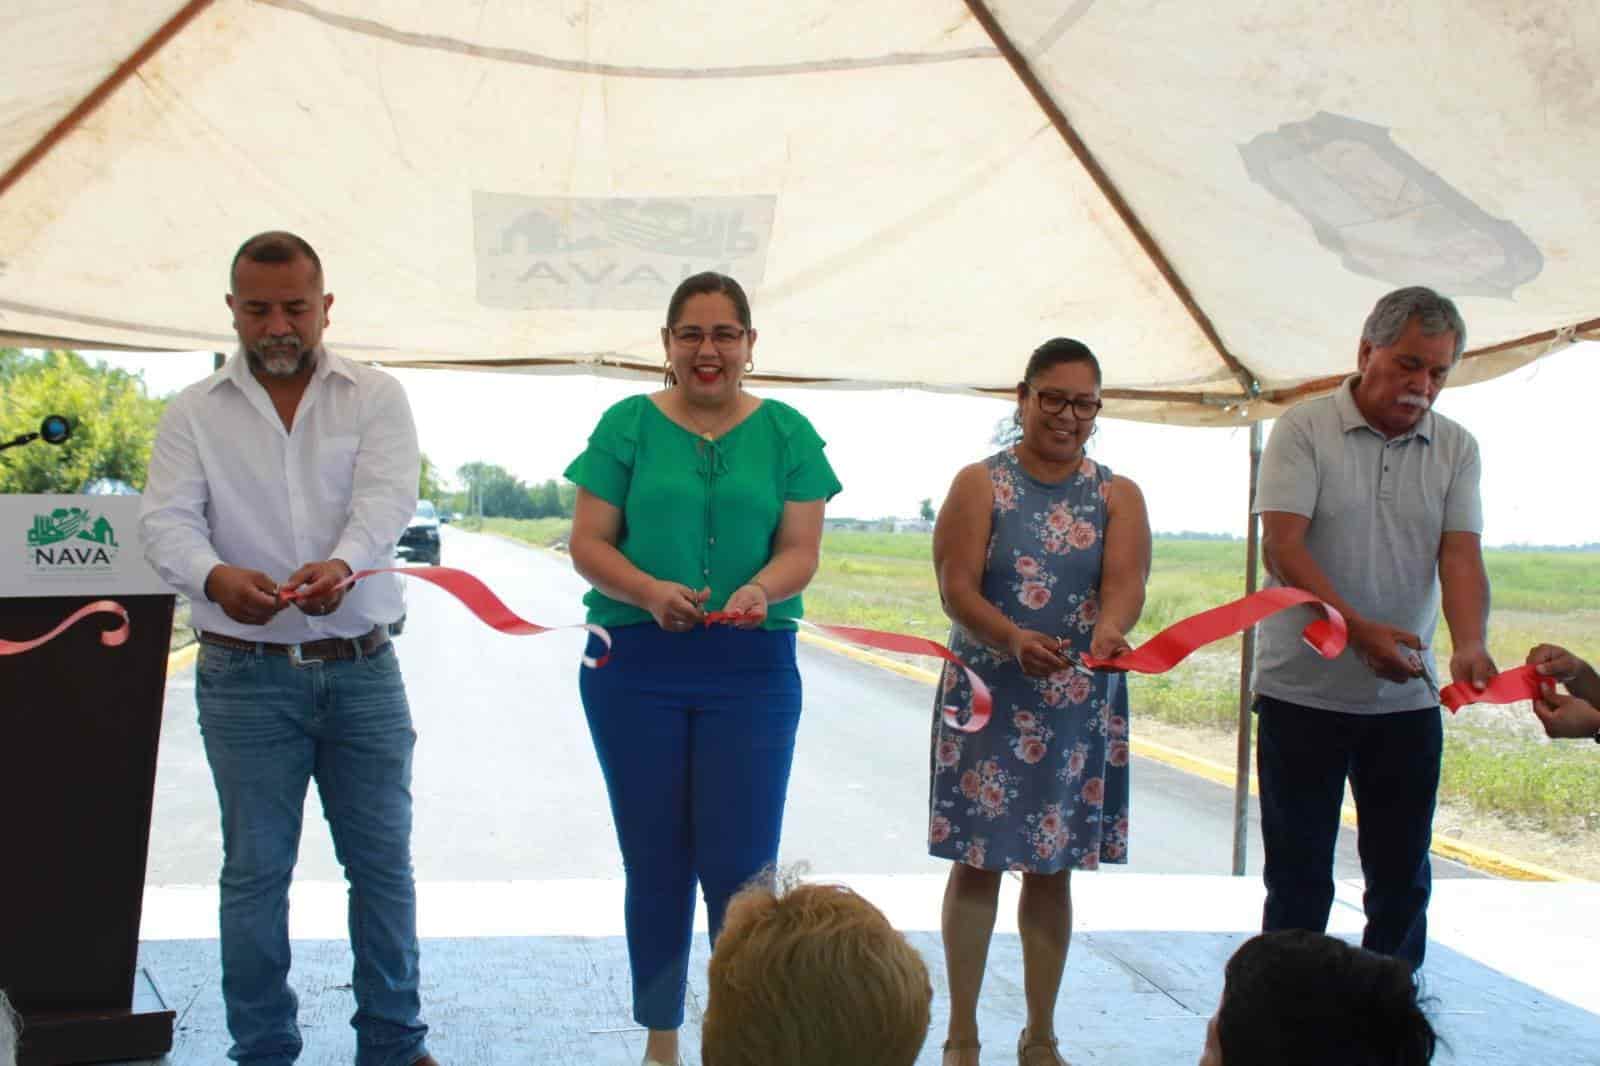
column 667, row 375
column 750, row 364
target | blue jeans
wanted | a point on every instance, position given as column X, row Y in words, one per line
column 270, row 727
column 695, row 734
column 1303, row 756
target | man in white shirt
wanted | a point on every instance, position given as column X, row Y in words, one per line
column 284, row 472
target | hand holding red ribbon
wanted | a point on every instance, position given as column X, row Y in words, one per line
column 1512, row 686
column 982, row 701
column 1327, row 636
column 477, row 598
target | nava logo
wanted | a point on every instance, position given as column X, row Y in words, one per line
column 71, row 540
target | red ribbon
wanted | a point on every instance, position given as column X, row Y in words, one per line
column 982, row 701
column 1327, row 636
column 111, row 638
column 477, row 598
column 1521, row 683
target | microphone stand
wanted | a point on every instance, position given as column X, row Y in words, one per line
column 26, row 438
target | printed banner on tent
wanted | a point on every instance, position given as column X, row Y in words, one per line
column 612, row 252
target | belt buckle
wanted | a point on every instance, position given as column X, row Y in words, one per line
column 300, row 660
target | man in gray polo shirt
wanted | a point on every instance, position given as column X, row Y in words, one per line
column 1368, row 500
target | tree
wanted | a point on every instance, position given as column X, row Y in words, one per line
column 498, row 494
column 927, row 510
column 546, row 500
column 506, row 497
column 429, row 487
column 473, row 475
column 113, row 422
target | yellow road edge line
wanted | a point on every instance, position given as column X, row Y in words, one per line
column 1479, row 858
column 1181, row 760
column 850, row 651
column 182, row 657
column 1499, row 863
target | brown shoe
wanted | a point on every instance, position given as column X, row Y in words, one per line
column 426, row 1060
column 1039, row 1052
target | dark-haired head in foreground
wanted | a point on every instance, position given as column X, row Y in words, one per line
column 1295, row 996
column 812, row 975
column 8, row 1032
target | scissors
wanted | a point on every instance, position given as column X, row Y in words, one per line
column 1074, row 658
column 1427, row 676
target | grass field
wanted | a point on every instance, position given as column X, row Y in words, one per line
column 545, row 532
column 1495, row 761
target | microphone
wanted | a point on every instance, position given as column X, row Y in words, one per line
column 55, row 429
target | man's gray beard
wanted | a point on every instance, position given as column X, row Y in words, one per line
column 279, row 366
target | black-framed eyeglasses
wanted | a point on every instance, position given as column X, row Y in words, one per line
column 1053, row 403
column 725, row 338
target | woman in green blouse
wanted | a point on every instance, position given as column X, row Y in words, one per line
column 696, row 498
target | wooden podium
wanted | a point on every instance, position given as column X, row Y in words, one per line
column 79, row 728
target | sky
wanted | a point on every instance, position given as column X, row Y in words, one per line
column 1536, row 430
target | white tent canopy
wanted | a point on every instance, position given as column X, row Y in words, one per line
column 917, row 192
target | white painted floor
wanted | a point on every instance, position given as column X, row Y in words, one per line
column 536, row 971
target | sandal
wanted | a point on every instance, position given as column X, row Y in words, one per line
column 961, row 1045
column 1034, row 1052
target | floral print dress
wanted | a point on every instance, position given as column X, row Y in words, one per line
column 1044, row 786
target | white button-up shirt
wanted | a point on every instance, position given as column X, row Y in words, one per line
column 228, row 484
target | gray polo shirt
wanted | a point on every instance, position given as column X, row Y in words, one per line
column 1378, row 509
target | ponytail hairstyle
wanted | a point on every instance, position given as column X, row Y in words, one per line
column 1052, row 353
column 1057, row 351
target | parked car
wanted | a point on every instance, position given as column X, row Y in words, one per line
column 420, row 542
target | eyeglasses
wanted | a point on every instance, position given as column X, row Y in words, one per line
column 726, row 338
column 1083, row 407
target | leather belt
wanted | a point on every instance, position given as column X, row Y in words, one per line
column 312, row 651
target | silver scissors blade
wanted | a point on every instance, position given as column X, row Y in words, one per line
column 1422, row 669
column 1073, row 657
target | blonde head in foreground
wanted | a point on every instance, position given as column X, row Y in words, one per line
column 813, row 974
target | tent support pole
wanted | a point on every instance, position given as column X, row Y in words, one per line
column 89, row 104
column 1136, row 228
column 1247, row 654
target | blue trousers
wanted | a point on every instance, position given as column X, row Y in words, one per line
column 695, row 734
column 270, row 727
column 1303, row 756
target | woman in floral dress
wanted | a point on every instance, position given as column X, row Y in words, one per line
column 1041, row 553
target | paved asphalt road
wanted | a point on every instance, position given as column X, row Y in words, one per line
column 507, row 787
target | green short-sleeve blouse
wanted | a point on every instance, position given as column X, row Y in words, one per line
column 696, row 512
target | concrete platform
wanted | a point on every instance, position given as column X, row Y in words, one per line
column 536, row 971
